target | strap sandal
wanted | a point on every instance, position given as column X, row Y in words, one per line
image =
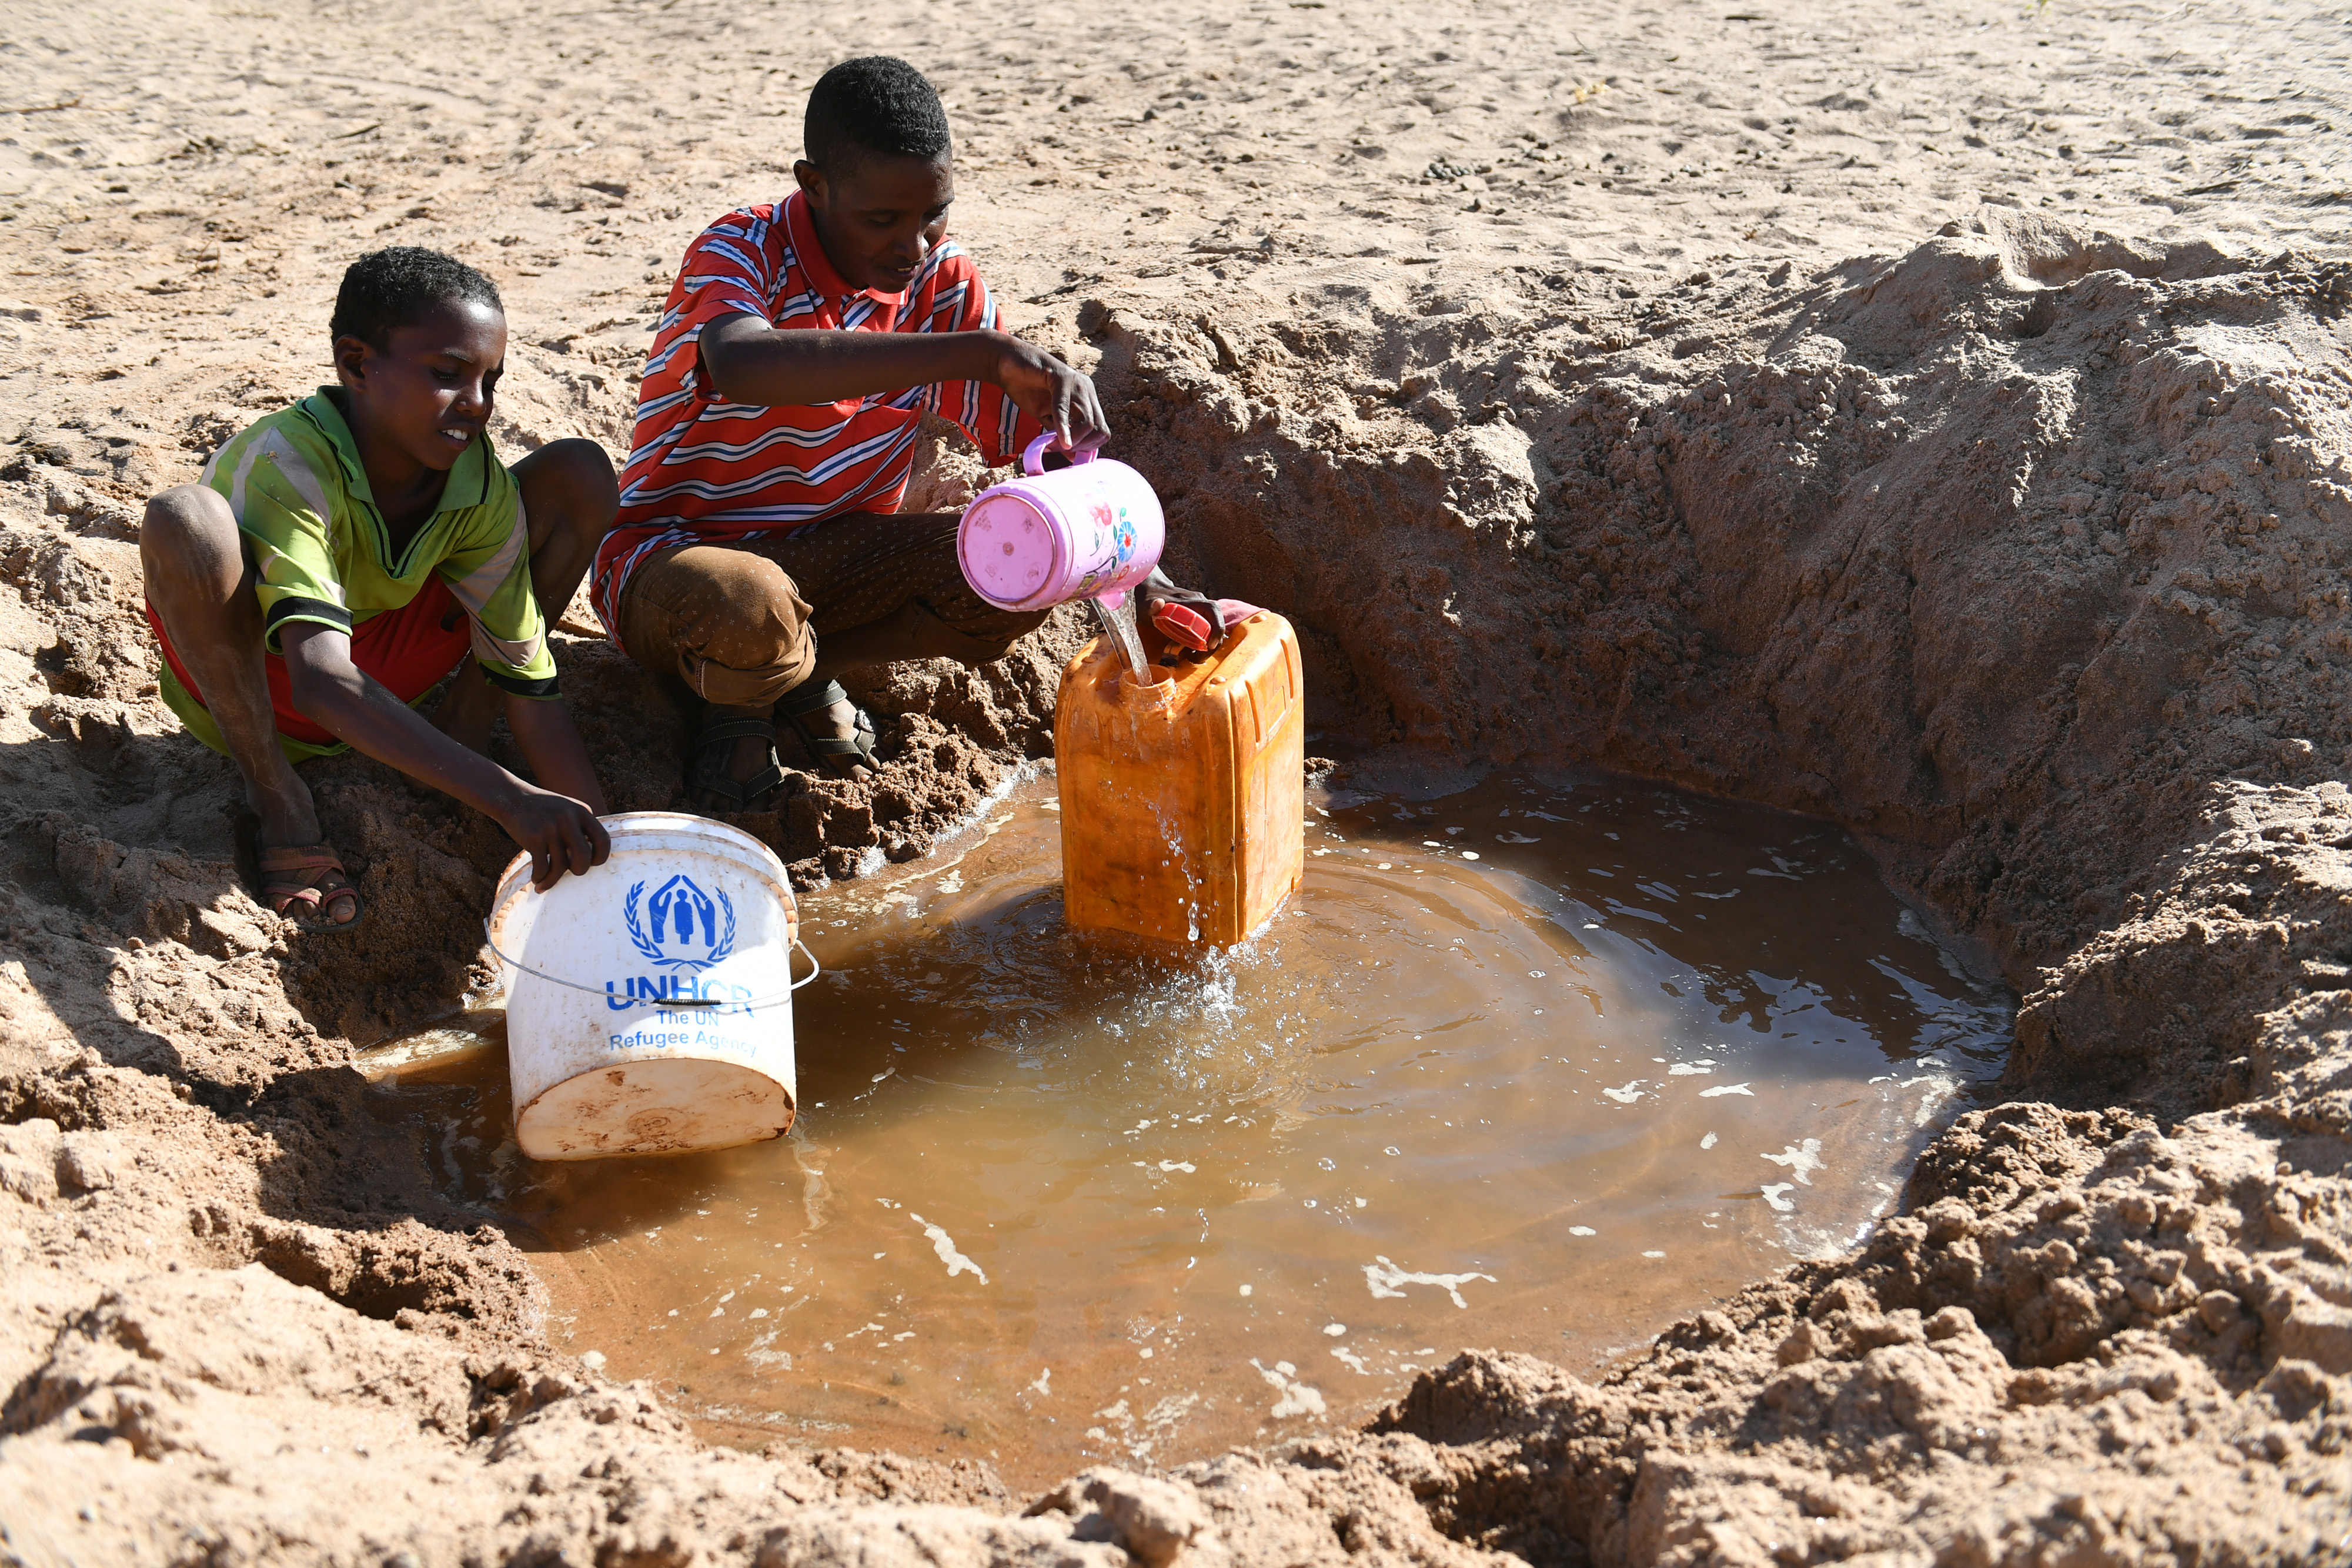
column 290, row 885
column 857, row 749
column 710, row 753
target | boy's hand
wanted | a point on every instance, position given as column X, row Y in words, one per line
column 1049, row 392
column 1158, row 590
column 559, row 834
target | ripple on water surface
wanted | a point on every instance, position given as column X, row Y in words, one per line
column 1537, row 1065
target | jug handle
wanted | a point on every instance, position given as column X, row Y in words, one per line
column 1033, row 457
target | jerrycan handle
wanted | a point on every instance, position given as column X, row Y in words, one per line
column 1033, row 457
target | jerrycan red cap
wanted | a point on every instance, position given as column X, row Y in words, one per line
column 1189, row 628
column 1179, row 625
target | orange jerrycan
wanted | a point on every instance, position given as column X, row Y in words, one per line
column 1183, row 803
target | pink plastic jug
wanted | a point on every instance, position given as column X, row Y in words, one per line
column 1094, row 528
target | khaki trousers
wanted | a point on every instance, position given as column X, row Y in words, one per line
column 739, row 622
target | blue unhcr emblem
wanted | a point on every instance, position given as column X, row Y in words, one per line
column 689, row 931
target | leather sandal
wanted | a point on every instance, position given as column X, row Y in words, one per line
column 709, row 754
column 289, row 886
column 857, row 749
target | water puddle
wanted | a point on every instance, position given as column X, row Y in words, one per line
column 1537, row 1065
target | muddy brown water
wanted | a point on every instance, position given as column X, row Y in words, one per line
column 1535, row 1064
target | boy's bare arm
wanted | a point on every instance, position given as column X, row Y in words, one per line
column 748, row 360
column 561, row 833
column 549, row 741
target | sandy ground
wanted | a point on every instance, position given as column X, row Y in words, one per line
column 1937, row 419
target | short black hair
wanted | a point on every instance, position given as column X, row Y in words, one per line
column 873, row 104
column 391, row 288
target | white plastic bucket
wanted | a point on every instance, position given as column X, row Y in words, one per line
column 651, row 1007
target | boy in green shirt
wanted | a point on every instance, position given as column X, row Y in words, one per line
column 339, row 557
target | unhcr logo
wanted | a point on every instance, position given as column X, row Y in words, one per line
column 689, row 931
column 684, row 930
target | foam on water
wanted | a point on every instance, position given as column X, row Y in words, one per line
column 1050, row 1202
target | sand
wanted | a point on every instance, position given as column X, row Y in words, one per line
column 1939, row 419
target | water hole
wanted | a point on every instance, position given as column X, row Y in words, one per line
column 1537, row 1064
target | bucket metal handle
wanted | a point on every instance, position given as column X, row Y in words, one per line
column 666, row 1004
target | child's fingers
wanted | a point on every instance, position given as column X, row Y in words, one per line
column 1098, row 421
column 577, row 853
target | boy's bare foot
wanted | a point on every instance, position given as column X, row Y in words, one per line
column 469, row 710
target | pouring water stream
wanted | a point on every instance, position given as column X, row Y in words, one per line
column 1118, row 621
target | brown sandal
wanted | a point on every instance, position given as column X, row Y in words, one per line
column 298, row 898
column 854, row 750
column 706, row 771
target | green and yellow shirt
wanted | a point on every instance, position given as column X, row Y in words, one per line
column 323, row 554
column 294, row 482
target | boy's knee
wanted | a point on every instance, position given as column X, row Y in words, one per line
column 187, row 528
column 584, row 463
column 723, row 592
column 573, row 478
column 728, row 622
column 187, row 510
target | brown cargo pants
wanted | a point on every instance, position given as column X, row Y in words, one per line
column 739, row 622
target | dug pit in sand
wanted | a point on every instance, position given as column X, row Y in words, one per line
column 1540, row 1062
column 2020, row 550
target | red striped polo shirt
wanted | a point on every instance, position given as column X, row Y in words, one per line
column 704, row 470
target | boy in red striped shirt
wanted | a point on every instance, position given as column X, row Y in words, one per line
column 758, row 553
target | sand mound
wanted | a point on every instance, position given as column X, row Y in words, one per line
column 1575, row 409
column 2059, row 536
